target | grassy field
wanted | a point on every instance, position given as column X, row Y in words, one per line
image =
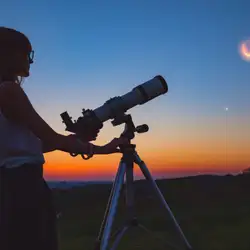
column 213, row 211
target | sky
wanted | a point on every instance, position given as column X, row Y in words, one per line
column 89, row 51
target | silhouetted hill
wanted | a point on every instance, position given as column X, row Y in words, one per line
column 71, row 184
column 213, row 212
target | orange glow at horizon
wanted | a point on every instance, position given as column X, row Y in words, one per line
column 219, row 144
column 178, row 161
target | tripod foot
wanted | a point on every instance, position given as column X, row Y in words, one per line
column 119, row 237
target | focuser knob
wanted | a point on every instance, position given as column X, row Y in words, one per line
column 142, row 128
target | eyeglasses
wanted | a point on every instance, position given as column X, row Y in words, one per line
column 31, row 57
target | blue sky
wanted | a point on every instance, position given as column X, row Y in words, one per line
column 89, row 51
column 192, row 43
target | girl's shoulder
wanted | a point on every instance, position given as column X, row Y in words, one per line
column 7, row 84
column 9, row 91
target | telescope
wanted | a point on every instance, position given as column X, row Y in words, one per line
column 116, row 106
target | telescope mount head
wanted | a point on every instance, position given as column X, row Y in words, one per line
column 130, row 128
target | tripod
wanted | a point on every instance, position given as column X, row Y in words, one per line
column 129, row 157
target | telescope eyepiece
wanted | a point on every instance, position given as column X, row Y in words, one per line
column 67, row 120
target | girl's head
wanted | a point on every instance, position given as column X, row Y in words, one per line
column 16, row 54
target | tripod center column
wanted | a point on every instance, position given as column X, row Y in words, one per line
column 128, row 160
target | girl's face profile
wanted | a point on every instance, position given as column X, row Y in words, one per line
column 29, row 60
column 23, row 61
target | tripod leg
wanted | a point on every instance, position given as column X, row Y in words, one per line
column 119, row 237
column 129, row 187
column 113, row 205
column 98, row 241
column 148, row 176
column 129, row 161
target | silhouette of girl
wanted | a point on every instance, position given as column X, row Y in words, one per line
column 27, row 216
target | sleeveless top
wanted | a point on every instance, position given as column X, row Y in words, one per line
column 18, row 145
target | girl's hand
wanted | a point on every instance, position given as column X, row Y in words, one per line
column 111, row 147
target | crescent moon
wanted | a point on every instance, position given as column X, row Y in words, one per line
column 245, row 50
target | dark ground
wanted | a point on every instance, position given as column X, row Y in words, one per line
column 213, row 211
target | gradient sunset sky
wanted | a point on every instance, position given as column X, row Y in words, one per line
column 89, row 51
